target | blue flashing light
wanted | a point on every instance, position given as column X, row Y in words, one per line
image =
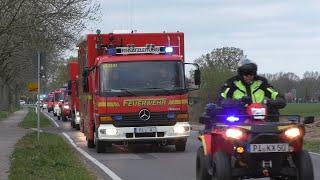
column 111, row 51
column 117, row 118
column 232, row 118
column 169, row 49
column 170, row 115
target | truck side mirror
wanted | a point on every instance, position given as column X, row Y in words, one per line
column 308, row 120
column 85, row 75
column 197, row 77
column 85, row 72
column 69, row 87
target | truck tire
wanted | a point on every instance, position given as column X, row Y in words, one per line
column 181, row 146
column 59, row 117
column 304, row 165
column 100, row 146
column 77, row 126
column 90, row 143
column 201, row 166
column 72, row 124
column 54, row 114
column 222, row 166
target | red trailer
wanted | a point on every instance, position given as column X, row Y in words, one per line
column 133, row 89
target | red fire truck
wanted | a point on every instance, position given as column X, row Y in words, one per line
column 73, row 93
column 133, row 89
column 50, row 101
column 59, row 95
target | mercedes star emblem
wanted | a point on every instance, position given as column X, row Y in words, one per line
column 144, row 114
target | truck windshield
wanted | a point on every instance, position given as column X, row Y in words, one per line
column 142, row 75
column 58, row 97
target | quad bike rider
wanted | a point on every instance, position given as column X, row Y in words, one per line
column 243, row 138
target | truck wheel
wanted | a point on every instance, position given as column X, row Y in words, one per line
column 72, row 124
column 222, row 166
column 100, row 146
column 90, row 143
column 201, row 166
column 54, row 114
column 304, row 164
column 64, row 118
column 77, row 126
column 59, row 117
column 181, row 146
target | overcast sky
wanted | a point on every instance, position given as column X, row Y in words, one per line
column 279, row 35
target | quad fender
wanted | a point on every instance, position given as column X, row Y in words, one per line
column 206, row 143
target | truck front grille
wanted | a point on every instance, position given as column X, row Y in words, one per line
column 133, row 120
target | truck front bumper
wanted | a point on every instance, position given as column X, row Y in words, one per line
column 108, row 132
column 57, row 110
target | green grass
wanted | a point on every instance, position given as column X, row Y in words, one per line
column 50, row 158
column 30, row 121
column 313, row 146
column 3, row 114
column 304, row 109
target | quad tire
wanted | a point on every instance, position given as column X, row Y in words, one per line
column 304, row 165
column 201, row 166
column 222, row 166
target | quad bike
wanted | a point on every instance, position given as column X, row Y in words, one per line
column 241, row 142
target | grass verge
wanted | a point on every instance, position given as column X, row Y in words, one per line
column 312, row 146
column 3, row 114
column 30, row 121
column 303, row 109
column 50, row 158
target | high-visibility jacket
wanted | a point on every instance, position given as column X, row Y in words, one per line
column 258, row 90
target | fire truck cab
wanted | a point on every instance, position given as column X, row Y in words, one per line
column 133, row 89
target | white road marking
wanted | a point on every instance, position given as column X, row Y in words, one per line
column 55, row 123
column 314, row 153
column 92, row 159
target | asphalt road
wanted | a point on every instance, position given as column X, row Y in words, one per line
column 144, row 162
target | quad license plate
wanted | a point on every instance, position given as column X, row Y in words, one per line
column 145, row 129
column 266, row 148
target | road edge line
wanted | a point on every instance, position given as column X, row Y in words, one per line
column 52, row 120
column 314, row 153
column 92, row 159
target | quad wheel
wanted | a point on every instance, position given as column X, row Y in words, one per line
column 304, row 165
column 201, row 166
column 222, row 164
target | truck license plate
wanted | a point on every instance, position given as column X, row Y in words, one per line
column 145, row 129
column 265, row 148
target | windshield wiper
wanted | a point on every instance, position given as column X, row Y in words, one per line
column 167, row 91
column 123, row 90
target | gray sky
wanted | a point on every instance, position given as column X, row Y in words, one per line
column 279, row 35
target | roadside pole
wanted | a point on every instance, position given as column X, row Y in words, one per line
column 38, row 99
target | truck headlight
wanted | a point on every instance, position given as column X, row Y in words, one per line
column 111, row 131
column 292, row 132
column 66, row 107
column 234, row 133
column 180, row 129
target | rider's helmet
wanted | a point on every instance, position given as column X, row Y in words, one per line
column 247, row 67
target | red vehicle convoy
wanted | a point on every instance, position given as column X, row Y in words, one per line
column 73, row 93
column 133, row 89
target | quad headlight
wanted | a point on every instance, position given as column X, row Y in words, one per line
column 234, row 133
column 292, row 132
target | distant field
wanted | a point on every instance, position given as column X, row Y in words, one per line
column 304, row 109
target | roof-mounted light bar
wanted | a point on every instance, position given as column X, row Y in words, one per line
column 150, row 49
